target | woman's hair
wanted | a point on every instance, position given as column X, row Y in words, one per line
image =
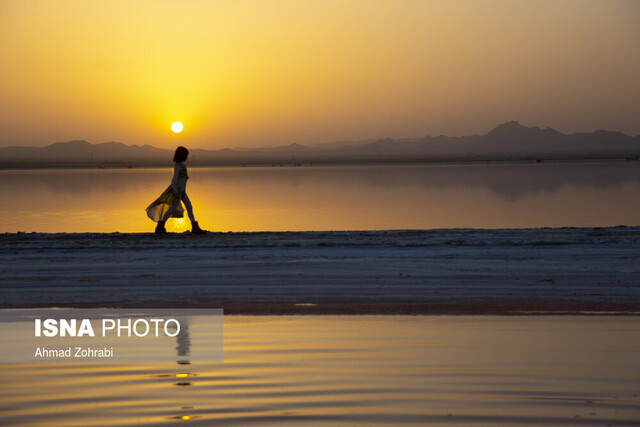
column 181, row 154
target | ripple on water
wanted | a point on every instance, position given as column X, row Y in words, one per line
column 382, row 370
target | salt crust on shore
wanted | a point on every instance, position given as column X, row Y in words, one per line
column 566, row 270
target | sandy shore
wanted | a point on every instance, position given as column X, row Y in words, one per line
column 567, row 270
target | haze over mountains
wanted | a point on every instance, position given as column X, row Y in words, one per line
column 509, row 141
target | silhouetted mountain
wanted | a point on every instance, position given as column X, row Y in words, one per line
column 83, row 153
column 291, row 147
column 509, row 141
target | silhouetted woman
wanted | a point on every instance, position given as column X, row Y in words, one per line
column 169, row 203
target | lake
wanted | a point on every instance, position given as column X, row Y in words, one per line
column 356, row 370
column 320, row 198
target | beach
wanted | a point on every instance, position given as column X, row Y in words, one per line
column 456, row 271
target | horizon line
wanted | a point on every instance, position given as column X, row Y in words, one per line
column 364, row 140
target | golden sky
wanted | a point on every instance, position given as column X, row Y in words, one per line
column 261, row 72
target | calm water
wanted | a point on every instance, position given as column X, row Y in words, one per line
column 329, row 198
column 364, row 370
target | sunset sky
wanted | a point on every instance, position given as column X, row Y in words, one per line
column 254, row 73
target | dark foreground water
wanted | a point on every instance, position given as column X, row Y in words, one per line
column 357, row 370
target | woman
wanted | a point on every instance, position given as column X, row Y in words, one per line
column 168, row 204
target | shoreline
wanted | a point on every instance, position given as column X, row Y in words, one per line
column 195, row 164
column 447, row 271
column 496, row 309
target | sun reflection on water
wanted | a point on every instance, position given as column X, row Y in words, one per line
column 327, row 198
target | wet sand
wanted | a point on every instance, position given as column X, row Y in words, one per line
column 457, row 271
column 357, row 370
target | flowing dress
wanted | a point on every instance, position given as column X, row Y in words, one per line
column 161, row 205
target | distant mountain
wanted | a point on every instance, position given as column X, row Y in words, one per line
column 83, row 153
column 509, row 141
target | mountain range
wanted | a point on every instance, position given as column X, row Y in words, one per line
column 508, row 142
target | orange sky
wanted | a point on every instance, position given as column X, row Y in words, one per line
column 252, row 73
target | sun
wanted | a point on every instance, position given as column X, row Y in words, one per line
column 176, row 127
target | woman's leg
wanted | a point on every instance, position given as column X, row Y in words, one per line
column 187, row 204
column 172, row 208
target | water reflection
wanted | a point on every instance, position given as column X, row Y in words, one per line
column 330, row 198
column 183, row 341
column 508, row 179
column 183, row 351
column 358, row 370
